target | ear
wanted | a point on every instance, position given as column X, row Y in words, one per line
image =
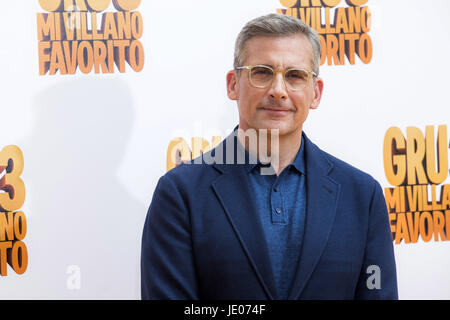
column 232, row 85
column 318, row 89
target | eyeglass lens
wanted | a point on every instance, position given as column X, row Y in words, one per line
column 262, row 77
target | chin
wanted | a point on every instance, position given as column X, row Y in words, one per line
column 284, row 128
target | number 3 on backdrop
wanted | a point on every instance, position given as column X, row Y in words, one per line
column 13, row 197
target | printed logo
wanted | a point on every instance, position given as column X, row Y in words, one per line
column 417, row 167
column 78, row 34
column 13, row 224
column 343, row 30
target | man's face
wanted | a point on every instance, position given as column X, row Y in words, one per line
column 275, row 107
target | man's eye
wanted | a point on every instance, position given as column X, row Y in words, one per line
column 296, row 75
column 262, row 72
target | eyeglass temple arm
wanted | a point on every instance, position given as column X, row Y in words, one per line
column 243, row 67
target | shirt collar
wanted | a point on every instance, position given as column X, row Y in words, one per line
column 299, row 161
column 252, row 163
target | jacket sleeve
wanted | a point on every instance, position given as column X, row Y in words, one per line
column 378, row 278
column 167, row 264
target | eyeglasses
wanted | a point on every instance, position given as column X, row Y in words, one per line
column 261, row 76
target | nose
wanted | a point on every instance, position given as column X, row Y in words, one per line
column 278, row 88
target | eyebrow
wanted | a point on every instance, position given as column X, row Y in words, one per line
column 271, row 66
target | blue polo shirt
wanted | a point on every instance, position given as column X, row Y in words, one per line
column 281, row 204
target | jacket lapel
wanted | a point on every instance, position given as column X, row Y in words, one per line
column 233, row 191
column 322, row 198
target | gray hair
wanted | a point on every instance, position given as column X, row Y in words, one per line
column 276, row 24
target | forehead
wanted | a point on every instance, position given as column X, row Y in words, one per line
column 286, row 51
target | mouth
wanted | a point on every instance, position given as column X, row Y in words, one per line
column 277, row 111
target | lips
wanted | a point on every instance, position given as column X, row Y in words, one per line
column 276, row 109
column 276, row 112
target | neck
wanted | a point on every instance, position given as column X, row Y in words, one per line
column 279, row 150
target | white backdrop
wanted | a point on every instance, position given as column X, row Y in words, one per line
column 94, row 145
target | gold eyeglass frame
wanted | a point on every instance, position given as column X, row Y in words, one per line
column 311, row 74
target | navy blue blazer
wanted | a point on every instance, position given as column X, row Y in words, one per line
column 202, row 238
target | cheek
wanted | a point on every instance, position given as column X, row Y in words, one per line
column 249, row 100
column 301, row 102
column 304, row 100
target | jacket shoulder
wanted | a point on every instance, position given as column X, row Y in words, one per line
column 346, row 173
column 191, row 173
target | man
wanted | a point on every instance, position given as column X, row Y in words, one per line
column 223, row 228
